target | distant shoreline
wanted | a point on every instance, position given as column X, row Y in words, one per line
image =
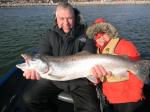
column 74, row 3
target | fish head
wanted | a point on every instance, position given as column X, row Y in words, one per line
column 34, row 62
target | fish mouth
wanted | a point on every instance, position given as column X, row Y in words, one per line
column 22, row 66
column 26, row 58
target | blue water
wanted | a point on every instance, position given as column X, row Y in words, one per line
column 21, row 28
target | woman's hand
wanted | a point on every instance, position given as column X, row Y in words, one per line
column 100, row 73
column 31, row 74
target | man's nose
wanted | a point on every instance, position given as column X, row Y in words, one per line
column 66, row 21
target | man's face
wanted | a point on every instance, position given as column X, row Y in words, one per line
column 65, row 19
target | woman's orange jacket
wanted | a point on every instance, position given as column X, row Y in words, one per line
column 126, row 91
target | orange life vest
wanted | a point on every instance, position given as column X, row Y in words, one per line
column 125, row 91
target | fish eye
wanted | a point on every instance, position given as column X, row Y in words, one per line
column 33, row 59
column 37, row 56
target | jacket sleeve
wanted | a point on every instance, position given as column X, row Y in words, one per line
column 45, row 46
column 90, row 46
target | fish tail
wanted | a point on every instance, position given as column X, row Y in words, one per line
column 144, row 70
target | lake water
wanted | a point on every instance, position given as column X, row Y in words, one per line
column 21, row 28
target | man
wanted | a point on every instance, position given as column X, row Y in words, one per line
column 65, row 38
column 124, row 95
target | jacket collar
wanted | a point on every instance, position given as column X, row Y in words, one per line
column 65, row 36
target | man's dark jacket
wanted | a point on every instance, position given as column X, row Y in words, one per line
column 57, row 43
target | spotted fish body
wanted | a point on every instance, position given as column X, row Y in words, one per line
column 79, row 66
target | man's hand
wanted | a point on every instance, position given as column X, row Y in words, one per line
column 31, row 74
column 99, row 72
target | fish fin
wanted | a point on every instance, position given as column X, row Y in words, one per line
column 119, row 76
column 83, row 53
column 57, row 77
column 124, row 56
column 92, row 78
column 22, row 66
column 52, row 77
column 143, row 67
column 114, row 78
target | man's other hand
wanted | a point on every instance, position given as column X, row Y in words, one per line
column 31, row 74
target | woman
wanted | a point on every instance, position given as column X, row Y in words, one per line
column 125, row 95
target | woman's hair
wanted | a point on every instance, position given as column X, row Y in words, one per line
column 104, row 27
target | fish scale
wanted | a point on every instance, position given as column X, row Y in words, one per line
column 79, row 66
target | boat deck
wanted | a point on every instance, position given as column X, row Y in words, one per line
column 12, row 90
column 15, row 85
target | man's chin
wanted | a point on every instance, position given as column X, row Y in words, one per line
column 66, row 31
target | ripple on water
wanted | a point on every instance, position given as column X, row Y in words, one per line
column 21, row 28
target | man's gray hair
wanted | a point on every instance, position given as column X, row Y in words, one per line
column 64, row 5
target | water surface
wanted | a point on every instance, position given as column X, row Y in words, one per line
column 21, row 28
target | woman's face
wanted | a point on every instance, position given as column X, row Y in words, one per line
column 103, row 38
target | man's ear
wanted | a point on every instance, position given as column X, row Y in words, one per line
column 54, row 16
column 55, row 20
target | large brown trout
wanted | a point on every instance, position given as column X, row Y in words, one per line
column 79, row 66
